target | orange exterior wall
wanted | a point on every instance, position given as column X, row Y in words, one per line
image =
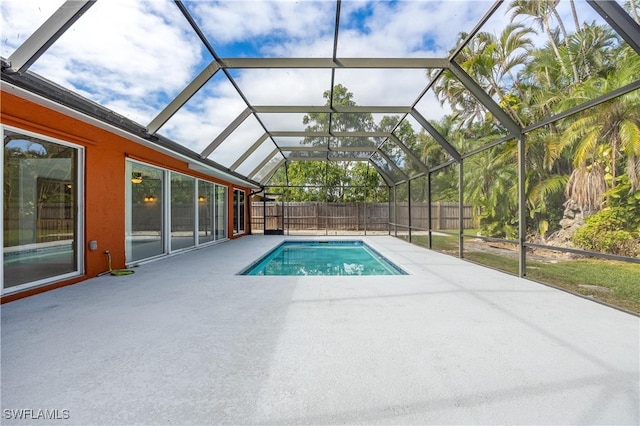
column 104, row 180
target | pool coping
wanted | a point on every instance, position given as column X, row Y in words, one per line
column 384, row 259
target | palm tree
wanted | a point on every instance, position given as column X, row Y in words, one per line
column 574, row 13
column 449, row 90
column 500, row 57
column 539, row 11
column 490, row 179
column 565, row 37
column 632, row 7
column 605, row 141
column 491, row 61
column 598, row 41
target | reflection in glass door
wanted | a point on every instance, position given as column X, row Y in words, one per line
column 183, row 197
column 221, row 212
column 238, row 211
column 212, row 212
column 144, row 212
column 41, row 210
column 206, row 212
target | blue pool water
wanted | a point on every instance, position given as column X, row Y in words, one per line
column 323, row 258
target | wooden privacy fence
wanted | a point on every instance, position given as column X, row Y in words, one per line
column 354, row 216
column 42, row 223
column 444, row 215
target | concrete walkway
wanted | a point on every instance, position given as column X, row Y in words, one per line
column 186, row 341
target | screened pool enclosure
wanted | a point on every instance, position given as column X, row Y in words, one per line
column 465, row 126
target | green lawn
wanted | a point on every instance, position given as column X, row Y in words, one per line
column 620, row 280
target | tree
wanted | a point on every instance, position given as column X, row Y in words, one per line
column 604, row 141
column 328, row 180
column 540, row 11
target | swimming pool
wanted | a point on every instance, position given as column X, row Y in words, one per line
column 323, row 258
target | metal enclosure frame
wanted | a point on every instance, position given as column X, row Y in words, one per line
column 15, row 72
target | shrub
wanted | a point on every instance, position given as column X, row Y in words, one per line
column 616, row 228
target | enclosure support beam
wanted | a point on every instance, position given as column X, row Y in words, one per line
column 273, row 171
column 395, row 210
column 409, row 154
column 393, row 165
column 226, row 132
column 385, row 177
column 470, row 84
column 249, row 151
column 326, row 198
column 183, row 97
column 409, row 206
column 429, row 242
column 366, row 195
column 460, row 209
column 522, row 208
column 331, row 63
column 435, row 134
column 327, row 109
column 264, row 162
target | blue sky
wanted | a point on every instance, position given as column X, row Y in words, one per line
column 134, row 56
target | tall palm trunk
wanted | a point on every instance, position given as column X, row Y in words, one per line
column 583, row 51
column 574, row 67
column 554, row 46
column 574, row 13
column 633, row 9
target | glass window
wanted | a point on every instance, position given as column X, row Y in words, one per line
column 41, row 220
column 144, row 215
column 183, row 194
column 238, row 211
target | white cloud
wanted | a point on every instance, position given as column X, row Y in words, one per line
column 383, row 87
column 285, row 86
column 265, row 22
column 406, row 28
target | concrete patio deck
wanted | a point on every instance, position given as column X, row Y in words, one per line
column 186, row 341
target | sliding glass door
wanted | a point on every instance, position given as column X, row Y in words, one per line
column 42, row 206
column 212, row 212
column 144, row 211
column 183, row 198
column 238, row 211
column 221, row 212
column 168, row 211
